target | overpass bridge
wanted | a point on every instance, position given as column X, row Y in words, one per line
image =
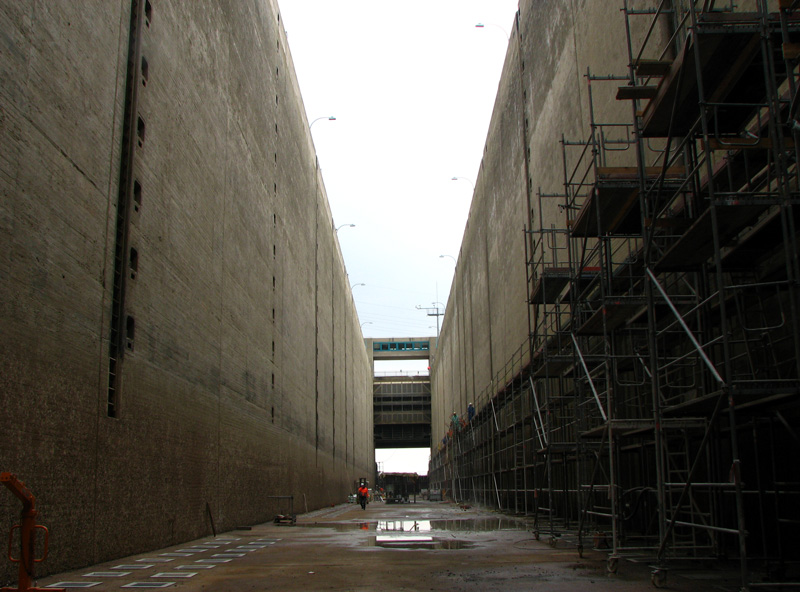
column 401, row 403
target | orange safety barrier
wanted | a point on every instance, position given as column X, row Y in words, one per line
column 27, row 537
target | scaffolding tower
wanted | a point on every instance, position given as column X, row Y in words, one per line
column 654, row 411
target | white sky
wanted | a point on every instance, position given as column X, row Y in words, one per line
column 412, row 85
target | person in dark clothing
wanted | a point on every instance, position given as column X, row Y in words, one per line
column 363, row 493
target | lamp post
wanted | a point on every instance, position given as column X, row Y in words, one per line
column 344, row 226
column 464, row 179
column 356, row 286
column 367, row 323
column 436, row 312
column 451, row 257
column 482, row 26
column 329, row 118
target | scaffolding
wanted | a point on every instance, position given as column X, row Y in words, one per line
column 655, row 411
column 721, row 272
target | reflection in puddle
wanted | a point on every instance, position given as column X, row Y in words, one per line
column 416, row 542
column 404, row 525
column 341, row 526
column 468, row 525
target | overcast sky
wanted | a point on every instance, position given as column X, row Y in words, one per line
column 412, row 85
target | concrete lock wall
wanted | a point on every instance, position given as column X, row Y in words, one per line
column 243, row 372
column 542, row 96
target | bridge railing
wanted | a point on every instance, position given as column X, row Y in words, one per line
column 402, row 373
column 402, row 417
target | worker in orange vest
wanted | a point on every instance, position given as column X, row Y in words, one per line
column 363, row 492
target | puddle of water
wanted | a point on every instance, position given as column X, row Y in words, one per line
column 416, row 542
column 466, row 525
column 479, row 524
column 343, row 526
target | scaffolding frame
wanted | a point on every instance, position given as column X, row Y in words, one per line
column 654, row 410
column 729, row 125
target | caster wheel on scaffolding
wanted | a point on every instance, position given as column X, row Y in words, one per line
column 536, row 535
column 552, row 542
column 612, row 565
column 658, row 578
column 580, row 551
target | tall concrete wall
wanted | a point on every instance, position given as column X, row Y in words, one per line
column 542, row 96
column 244, row 373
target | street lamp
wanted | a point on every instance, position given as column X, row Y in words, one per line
column 356, row 285
column 330, row 118
column 433, row 312
column 451, row 257
column 367, row 323
column 482, row 26
column 464, row 179
column 344, row 225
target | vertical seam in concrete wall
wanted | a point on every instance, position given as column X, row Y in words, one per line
column 333, row 350
column 116, row 347
column 222, row 301
column 346, row 347
column 471, row 395
column 464, row 349
column 488, row 303
column 102, row 376
column 316, row 314
column 578, row 74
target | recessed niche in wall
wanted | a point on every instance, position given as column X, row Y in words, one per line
column 133, row 262
column 140, row 131
column 137, row 195
column 130, row 328
column 145, row 71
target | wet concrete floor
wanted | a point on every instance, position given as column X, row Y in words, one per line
column 416, row 546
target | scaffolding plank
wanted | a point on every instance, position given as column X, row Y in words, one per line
column 627, row 93
column 750, row 249
column 617, row 312
column 728, row 68
column 588, row 275
column 549, row 285
column 650, row 67
column 615, row 203
column 696, row 246
column 737, row 143
column 746, row 395
column 553, row 365
column 616, row 195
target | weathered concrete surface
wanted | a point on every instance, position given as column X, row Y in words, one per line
column 339, row 549
column 245, row 373
column 543, row 96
